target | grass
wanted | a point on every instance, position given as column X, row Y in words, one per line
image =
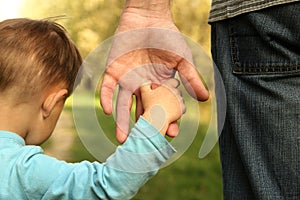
column 187, row 178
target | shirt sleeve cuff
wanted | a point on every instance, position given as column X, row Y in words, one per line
column 145, row 150
column 144, row 130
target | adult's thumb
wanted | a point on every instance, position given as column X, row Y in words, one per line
column 192, row 82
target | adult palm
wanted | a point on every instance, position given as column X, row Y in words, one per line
column 147, row 47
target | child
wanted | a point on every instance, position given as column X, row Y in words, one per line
column 38, row 66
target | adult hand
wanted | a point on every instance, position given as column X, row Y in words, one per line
column 147, row 47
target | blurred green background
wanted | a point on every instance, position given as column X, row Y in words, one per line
column 90, row 22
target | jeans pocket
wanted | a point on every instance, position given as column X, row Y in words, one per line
column 266, row 41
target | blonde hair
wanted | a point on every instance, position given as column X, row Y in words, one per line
column 36, row 54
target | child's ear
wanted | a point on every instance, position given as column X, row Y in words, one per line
column 52, row 100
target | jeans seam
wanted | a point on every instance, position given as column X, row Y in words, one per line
column 234, row 49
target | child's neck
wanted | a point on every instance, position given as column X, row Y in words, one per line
column 15, row 118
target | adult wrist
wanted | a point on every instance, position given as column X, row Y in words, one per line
column 152, row 8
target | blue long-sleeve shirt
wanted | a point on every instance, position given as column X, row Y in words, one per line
column 27, row 173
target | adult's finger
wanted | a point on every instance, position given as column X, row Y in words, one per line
column 139, row 110
column 172, row 82
column 192, row 82
column 123, row 107
column 106, row 93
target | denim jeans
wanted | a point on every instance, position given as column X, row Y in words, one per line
column 258, row 56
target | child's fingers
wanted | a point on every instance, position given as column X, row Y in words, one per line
column 173, row 129
column 179, row 99
column 146, row 87
column 173, row 85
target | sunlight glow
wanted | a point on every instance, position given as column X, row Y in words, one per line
column 9, row 9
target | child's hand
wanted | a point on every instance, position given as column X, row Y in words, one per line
column 163, row 104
